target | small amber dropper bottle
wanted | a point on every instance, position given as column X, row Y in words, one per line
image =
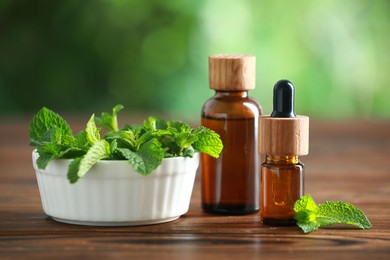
column 230, row 183
column 283, row 138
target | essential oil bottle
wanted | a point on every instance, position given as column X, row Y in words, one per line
column 230, row 183
column 284, row 137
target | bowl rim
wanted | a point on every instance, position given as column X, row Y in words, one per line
column 118, row 168
column 35, row 154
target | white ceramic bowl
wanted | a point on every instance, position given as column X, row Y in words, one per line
column 113, row 194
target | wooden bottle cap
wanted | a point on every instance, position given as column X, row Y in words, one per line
column 232, row 72
column 284, row 136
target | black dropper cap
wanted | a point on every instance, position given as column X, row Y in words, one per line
column 283, row 99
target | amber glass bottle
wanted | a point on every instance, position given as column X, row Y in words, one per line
column 283, row 138
column 281, row 185
column 230, row 183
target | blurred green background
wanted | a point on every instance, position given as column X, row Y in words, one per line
column 82, row 56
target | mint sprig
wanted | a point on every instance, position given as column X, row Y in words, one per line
column 208, row 142
column 45, row 125
column 143, row 146
column 310, row 216
column 99, row 150
column 147, row 158
column 109, row 121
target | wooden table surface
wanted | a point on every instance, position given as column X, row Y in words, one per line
column 348, row 161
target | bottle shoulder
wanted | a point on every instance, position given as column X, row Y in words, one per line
column 298, row 166
column 231, row 108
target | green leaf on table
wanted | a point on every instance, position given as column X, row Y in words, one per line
column 306, row 210
column 341, row 212
column 310, row 216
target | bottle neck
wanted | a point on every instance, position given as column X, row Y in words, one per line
column 282, row 160
column 236, row 94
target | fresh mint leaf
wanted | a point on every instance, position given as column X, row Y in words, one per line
column 147, row 158
column 80, row 166
column 108, row 121
column 154, row 123
column 53, row 135
column 184, row 140
column 144, row 146
column 310, row 216
column 180, row 126
column 71, row 152
column 171, row 149
column 341, row 212
column 147, row 136
column 46, row 154
column 308, row 227
column 306, row 210
column 123, row 153
column 113, row 147
column 116, row 110
column 46, row 120
column 92, row 132
column 81, row 140
column 73, row 169
column 189, row 152
column 208, row 142
column 99, row 150
column 138, row 130
column 52, row 151
column 123, row 138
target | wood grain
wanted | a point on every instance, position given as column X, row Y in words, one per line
column 229, row 72
column 284, row 136
column 346, row 162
